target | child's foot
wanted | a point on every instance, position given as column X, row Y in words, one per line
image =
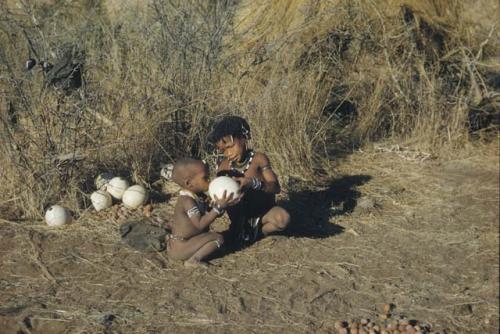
column 195, row 264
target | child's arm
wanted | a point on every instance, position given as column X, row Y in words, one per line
column 201, row 222
column 269, row 182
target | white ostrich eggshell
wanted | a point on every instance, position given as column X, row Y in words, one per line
column 135, row 196
column 221, row 184
column 102, row 180
column 57, row 215
column 117, row 186
column 101, row 200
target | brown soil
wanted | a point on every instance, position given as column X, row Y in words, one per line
column 420, row 235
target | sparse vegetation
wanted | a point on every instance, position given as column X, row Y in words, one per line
column 126, row 85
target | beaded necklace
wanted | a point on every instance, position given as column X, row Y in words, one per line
column 242, row 167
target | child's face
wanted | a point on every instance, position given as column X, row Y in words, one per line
column 233, row 148
column 199, row 182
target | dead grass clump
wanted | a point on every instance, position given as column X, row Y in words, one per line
column 406, row 70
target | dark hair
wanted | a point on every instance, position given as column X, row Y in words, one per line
column 230, row 126
column 183, row 169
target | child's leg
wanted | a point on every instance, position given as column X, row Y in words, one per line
column 233, row 233
column 204, row 251
column 276, row 219
column 195, row 249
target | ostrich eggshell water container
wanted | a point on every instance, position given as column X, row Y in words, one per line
column 221, row 184
column 135, row 196
column 117, row 186
column 57, row 215
column 101, row 200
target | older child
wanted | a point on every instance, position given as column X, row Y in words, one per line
column 257, row 211
column 190, row 240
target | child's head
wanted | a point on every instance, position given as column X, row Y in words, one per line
column 230, row 136
column 191, row 174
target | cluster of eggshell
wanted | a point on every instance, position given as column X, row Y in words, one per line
column 110, row 186
column 387, row 325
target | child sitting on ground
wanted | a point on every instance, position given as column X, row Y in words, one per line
column 190, row 240
column 257, row 212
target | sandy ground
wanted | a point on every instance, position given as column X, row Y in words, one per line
column 420, row 235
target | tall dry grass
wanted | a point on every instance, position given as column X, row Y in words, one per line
column 312, row 77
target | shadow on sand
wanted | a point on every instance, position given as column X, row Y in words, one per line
column 312, row 210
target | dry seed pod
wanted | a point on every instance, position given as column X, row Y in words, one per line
column 364, row 321
column 386, row 308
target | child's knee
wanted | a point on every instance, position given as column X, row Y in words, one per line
column 285, row 220
column 282, row 220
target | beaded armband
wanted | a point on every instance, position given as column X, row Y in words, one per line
column 256, row 184
column 194, row 211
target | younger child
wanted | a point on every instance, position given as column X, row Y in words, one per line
column 190, row 240
column 257, row 211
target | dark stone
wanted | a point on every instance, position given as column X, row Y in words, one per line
column 143, row 236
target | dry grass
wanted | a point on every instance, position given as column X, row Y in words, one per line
column 312, row 77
